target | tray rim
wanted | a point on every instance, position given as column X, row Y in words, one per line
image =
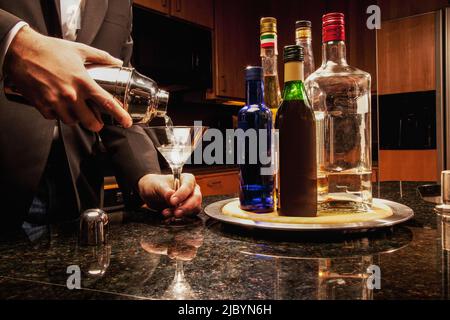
column 402, row 213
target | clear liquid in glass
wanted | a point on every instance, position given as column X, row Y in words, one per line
column 176, row 156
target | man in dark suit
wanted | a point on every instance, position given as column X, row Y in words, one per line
column 49, row 166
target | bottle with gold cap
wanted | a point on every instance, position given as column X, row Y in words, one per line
column 272, row 92
column 269, row 57
column 303, row 38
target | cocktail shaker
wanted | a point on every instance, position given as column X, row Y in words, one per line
column 140, row 95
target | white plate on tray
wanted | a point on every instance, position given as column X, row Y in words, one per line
column 401, row 213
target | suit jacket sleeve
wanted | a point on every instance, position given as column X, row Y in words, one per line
column 7, row 22
column 127, row 49
column 131, row 150
column 133, row 156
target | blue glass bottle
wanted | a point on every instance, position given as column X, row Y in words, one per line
column 256, row 177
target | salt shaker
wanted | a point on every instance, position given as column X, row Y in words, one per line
column 93, row 227
column 444, row 207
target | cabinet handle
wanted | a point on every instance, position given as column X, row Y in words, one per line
column 224, row 84
column 164, row 3
column 178, row 5
column 215, row 184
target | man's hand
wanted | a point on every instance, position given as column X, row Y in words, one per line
column 50, row 73
column 157, row 192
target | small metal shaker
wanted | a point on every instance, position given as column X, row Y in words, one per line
column 444, row 207
column 443, row 210
column 93, row 227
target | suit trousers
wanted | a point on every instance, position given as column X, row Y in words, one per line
column 55, row 199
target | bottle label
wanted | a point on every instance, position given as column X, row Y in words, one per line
column 293, row 71
column 269, row 40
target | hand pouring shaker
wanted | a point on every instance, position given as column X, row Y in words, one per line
column 140, row 95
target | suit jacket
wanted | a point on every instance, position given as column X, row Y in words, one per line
column 26, row 137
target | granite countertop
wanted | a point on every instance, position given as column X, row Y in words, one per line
column 210, row 261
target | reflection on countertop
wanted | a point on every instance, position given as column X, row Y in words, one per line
column 145, row 260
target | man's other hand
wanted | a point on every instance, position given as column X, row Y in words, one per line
column 157, row 192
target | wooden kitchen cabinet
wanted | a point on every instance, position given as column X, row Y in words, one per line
column 236, row 44
column 221, row 183
column 162, row 6
column 394, row 9
column 408, row 165
column 406, row 64
column 200, row 12
column 407, row 55
column 197, row 11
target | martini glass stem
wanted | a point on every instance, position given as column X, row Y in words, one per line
column 177, row 177
column 179, row 274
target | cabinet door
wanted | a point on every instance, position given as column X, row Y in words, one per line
column 393, row 9
column 406, row 55
column 197, row 11
column 219, row 183
column 408, row 165
column 236, row 44
column 158, row 5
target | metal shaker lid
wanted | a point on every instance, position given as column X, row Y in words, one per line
column 444, row 207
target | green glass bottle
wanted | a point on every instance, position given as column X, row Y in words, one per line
column 297, row 142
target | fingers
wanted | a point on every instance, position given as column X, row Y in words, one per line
column 167, row 212
column 87, row 117
column 187, row 200
column 166, row 191
column 193, row 205
column 70, row 111
column 56, row 109
column 155, row 248
column 96, row 56
column 105, row 101
column 48, row 113
column 182, row 252
column 186, row 189
column 94, row 110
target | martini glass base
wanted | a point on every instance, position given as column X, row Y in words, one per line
column 181, row 222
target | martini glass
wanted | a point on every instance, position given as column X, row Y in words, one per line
column 176, row 144
column 179, row 289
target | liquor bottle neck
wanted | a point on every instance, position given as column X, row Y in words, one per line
column 309, row 63
column 255, row 92
column 269, row 58
column 334, row 51
column 306, row 44
column 293, row 81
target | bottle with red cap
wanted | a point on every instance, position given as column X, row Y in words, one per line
column 341, row 98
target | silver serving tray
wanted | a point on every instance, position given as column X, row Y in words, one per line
column 401, row 214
